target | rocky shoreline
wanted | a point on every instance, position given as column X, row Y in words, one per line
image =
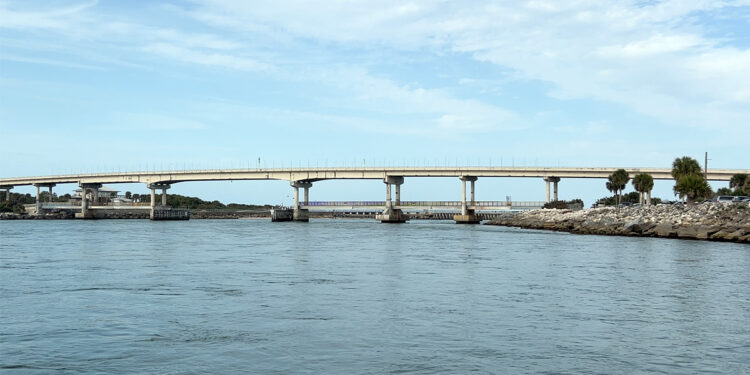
column 707, row 221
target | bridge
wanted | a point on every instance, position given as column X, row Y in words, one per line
column 305, row 177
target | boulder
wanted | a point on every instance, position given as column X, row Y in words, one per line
column 633, row 226
column 664, row 230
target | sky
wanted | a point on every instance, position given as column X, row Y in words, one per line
column 88, row 86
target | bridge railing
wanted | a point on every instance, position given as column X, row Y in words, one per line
column 425, row 204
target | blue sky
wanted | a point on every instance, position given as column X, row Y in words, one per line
column 91, row 86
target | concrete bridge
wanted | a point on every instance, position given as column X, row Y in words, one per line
column 305, row 177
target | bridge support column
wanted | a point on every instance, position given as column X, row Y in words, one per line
column 38, row 200
column 467, row 216
column 39, row 195
column 391, row 214
column 153, row 188
column 301, row 214
column 554, row 189
column 84, row 203
column 95, row 195
column 7, row 191
column 85, row 212
column 554, row 181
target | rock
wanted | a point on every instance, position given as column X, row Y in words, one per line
column 687, row 231
column 704, row 232
column 664, row 230
column 633, row 226
column 701, row 221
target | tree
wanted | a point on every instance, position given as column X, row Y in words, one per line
column 693, row 187
column 128, row 195
column 643, row 183
column 737, row 182
column 724, row 191
column 746, row 188
column 685, row 166
column 617, row 181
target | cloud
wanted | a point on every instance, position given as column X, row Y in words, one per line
column 435, row 109
column 58, row 18
column 34, row 60
column 656, row 58
column 204, row 58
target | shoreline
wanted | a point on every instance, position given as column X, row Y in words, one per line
column 707, row 221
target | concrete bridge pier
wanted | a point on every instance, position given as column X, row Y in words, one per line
column 390, row 214
column 554, row 181
column 467, row 216
column 301, row 214
column 153, row 188
column 38, row 195
column 7, row 191
column 85, row 213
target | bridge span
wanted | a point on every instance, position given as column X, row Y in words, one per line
column 305, row 177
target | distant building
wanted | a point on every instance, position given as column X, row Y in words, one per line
column 102, row 195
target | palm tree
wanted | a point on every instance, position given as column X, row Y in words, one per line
column 682, row 167
column 643, row 184
column 693, row 187
column 738, row 181
column 617, row 182
column 612, row 187
column 685, row 166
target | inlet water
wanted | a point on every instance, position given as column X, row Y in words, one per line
column 359, row 297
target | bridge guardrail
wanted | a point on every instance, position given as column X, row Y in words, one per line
column 425, row 203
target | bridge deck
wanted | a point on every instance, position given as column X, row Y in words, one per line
column 317, row 174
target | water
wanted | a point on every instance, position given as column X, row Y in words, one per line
column 358, row 297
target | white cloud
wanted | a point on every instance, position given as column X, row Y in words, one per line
column 654, row 58
column 57, row 18
column 44, row 61
column 204, row 57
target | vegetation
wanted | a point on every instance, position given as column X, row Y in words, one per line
column 693, row 187
column 632, row 197
column 690, row 182
column 181, row 201
column 617, row 181
column 16, row 202
column 726, row 191
column 685, row 166
column 643, row 183
column 564, row 204
column 739, row 184
column 738, row 181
